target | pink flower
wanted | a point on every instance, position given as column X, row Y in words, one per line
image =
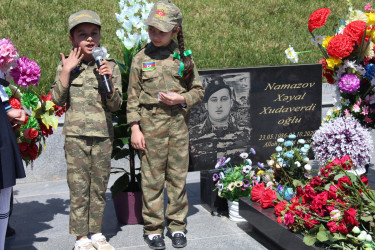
column 346, row 112
column 365, row 110
column 8, row 54
column 368, row 120
column 26, row 73
column 288, row 219
column 349, row 83
column 356, row 108
column 368, row 7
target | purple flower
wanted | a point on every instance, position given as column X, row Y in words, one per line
column 221, row 162
column 349, row 83
column 26, row 73
column 246, row 183
column 8, row 55
column 252, row 151
column 215, row 177
column 261, row 165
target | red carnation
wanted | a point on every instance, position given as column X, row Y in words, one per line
column 15, row 103
column 316, row 181
column 350, row 217
column 318, row 18
column 268, row 198
column 340, row 46
column 332, row 226
column 257, row 192
column 281, row 206
column 343, row 229
column 364, row 179
column 345, row 180
column 355, row 30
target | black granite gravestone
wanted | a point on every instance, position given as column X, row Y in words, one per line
column 260, row 105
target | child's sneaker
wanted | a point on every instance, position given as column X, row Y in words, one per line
column 100, row 243
column 84, row 244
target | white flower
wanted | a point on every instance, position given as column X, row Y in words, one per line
column 298, row 164
column 221, row 175
column 356, row 15
column 291, row 54
column 244, row 155
column 306, row 159
column 227, row 160
column 370, row 52
column 335, row 214
column 308, row 167
column 301, row 141
column 356, row 230
column 249, row 162
column 246, row 169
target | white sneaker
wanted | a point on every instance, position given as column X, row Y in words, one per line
column 100, row 243
column 84, row 244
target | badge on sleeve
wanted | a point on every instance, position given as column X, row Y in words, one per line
column 148, row 66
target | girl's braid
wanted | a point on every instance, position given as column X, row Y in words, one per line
column 188, row 72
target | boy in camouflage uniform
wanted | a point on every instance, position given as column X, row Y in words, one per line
column 159, row 100
column 88, row 127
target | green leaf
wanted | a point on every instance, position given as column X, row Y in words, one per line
column 326, row 187
column 352, row 177
column 120, row 185
column 367, row 218
column 338, row 236
column 297, row 183
column 309, row 240
column 322, row 236
column 338, row 176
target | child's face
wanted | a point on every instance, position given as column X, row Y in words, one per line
column 160, row 38
column 86, row 36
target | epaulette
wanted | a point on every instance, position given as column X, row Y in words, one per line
column 143, row 48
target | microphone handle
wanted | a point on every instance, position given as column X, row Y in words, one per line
column 106, row 83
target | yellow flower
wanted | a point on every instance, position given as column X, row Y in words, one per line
column 279, row 165
column 326, row 41
column 370, row 18
column 231, row 186
column 238, row 183
column 219, row 194
column 332, row 62
column 260, row 172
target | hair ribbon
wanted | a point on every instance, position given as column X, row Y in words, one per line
column 182, row 66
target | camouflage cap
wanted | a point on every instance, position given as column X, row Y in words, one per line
column 83, row 16
column 164, row 16
column 213, row 86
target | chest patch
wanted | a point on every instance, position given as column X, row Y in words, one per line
column 148, row 66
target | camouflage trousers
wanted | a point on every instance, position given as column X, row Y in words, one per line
column 164, row 163
column 89, row 164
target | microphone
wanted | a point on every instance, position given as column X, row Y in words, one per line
column 98, row 55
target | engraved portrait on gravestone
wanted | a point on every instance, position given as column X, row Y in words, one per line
column 221, row 123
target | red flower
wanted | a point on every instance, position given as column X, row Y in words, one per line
column 350, row 217
column 345, row 180
column 364, row 179
column 342, row 228
column 332, row 193
column 318, row 18
column 316, row 181
column 346, row 162
column 340, row 46
column 355, row 30
column 30, row 133
column 46, row 132
column 15, row 103
column 268, row 198
column 288, row 218
column 281, row 206
column 257, row 192
column 332, row 226
column 47, row 98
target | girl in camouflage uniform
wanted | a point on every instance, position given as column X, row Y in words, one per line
column 164, row 85
column 88, row 127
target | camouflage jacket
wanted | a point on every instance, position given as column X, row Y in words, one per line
column 88, row 112
column 155, row 70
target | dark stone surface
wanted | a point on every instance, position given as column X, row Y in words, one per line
column 209, row 198
column 264, row 221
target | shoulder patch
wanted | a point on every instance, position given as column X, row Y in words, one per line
column 148, row 66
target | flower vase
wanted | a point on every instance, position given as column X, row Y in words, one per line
column 234, row 215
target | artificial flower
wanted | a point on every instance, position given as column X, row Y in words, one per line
column 26, row 73
column 318, row 18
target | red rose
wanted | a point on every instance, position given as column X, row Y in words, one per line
column 318, row 18
column 350, row 217
column 268, row 199
column 22, row 146
column 355, row 30
column 15, row 103
column 316, row 181
column 281, row 206
column 342, row 228
column 33, row 151
column 30, row 133
column 332, row 193
column 340, row 46
column 47, row 98
column 332, row 226
column 257, row 192
column 345, row 180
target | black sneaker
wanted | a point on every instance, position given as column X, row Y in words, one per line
column 179, row 240
column 157, row 242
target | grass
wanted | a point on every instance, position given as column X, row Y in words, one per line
column 221, row 33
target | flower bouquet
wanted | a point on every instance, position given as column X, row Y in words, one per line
column 233, row 182
column 348, row 60
column 343, row 136
column 332, row 208
column 41, row 111
column 290, row 165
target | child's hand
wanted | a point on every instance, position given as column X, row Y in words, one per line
column 105, row 70
column 73, row 59
column 171, row 98
column 137, row 139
